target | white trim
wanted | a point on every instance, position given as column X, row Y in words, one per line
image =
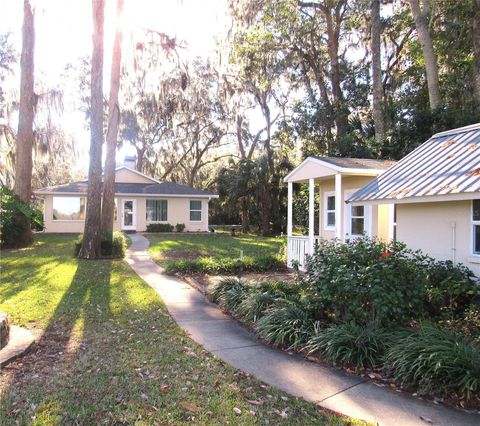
column 367, row 219
column 464, row 196
column 128, row 194
column 339, row 233
column 133, row 226
column 457, row 130
column 311, row 215
column 290, row 209
column 326, row 226
column 474, row 223
column 190, row 210
column 335, row 169
column 136, row 172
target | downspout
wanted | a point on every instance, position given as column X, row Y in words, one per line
column 454, row 249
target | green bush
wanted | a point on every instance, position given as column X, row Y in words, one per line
column 437, row 361
column 118, row 246
column 180, row 227
column 159, row 227
column 13, row 213
column 352, row 344
column 286, row 323
column 225, row 265
column 232, row 296
column 365, row 280
column 451, row 288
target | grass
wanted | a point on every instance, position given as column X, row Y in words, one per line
column 110, row 353
column 215, row 245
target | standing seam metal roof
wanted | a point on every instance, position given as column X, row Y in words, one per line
column 448, row 163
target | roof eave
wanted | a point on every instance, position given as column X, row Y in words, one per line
column 464, row 196
column 133, row 194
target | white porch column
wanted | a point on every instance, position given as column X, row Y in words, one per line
column 320, row 210
column 311, row 214
column 290, row 209
column 338, row 207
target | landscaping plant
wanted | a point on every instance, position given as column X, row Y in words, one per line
column 437, row 361
column 286, row 323
column 11, row 208
column 159, row 227
column 180, row 227
column 363, row 346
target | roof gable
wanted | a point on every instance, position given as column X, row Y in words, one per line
column 127, row 175
column 316, row 167
column 446, row 166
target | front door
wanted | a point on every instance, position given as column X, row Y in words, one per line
column 129, row 222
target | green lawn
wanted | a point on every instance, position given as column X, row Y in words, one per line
column 218, row 245
column 110, row 353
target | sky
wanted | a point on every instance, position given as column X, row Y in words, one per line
column 64, row 30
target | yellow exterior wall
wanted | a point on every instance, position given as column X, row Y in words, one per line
column 429, row 227
column 178, row 211
column 379, row 215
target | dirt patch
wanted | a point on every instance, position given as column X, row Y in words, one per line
column 206, row 280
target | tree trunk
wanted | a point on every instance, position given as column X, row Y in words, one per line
column 377, row 86
column 420, row 16
column 23, row 158
column 476, row 49
column 140, row 158
column 333, row 32
column 108, row 205
column 92, row 234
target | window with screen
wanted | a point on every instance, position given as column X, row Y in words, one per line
column 476, row 226
column 69, row 208
column 157, row 210
column 195, row 210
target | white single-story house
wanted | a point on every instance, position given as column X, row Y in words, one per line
column 336, row 179
column 139, row 200
column 436, row 193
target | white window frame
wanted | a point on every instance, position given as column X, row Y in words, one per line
column 367, row 218
column 474, row 224
column 326, row 226
column 70, row 220
column 146, row 210
column 195, row 210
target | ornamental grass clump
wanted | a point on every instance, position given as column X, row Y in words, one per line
column 436, row 361
column 363, row 346
column 286, row 323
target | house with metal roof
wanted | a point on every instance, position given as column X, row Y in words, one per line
column 331, row 181
column 436, row 193
column 139, row 201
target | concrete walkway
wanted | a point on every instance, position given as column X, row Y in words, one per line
column 228, row 340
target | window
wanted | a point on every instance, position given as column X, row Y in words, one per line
column 195, row 210
column 157, row 210
column 357, row 220
column 329, row 211
column 68, row 208
column 476, row 226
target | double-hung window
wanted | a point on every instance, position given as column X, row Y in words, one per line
column 157, row 210
column 357, row 220
column 329, row 203
column 195, row 211
column 476, row 226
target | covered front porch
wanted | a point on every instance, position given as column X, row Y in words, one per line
column 334, row 180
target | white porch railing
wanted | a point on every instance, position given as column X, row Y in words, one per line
column 298, row 250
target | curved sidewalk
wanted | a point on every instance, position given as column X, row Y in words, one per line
column 228, row 340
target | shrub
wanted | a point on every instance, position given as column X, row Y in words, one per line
column 451, row 288
column 118, row 246
column 264, row 295
column 225, row 265
column 13, row 213
column 159, row 227
column 365, row 280
column 468, row 325
column 437, row 361
column 232, row 296
column 349, row 343
column 180, row 227
column 286, row 323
